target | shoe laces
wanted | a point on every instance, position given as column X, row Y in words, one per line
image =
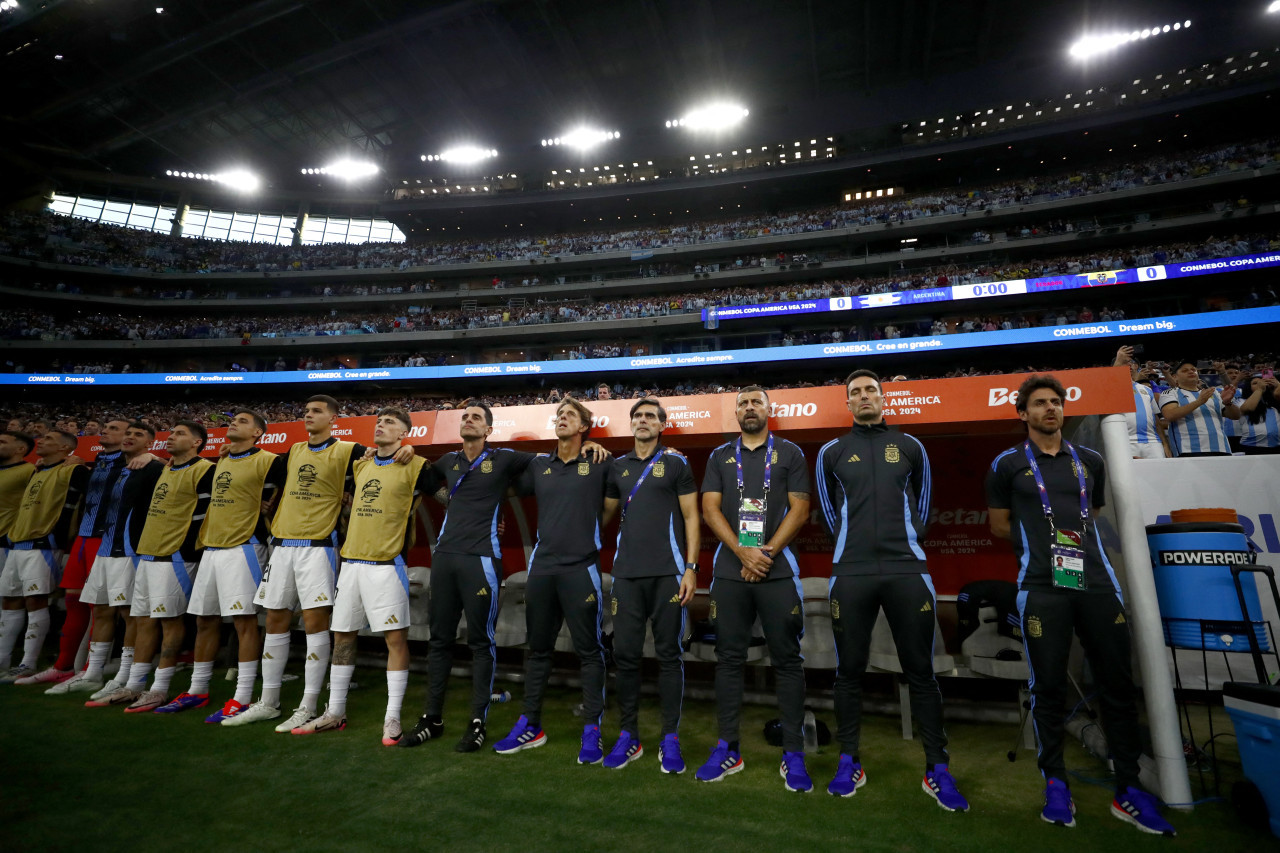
column 1141, row 799
column 943, row 779
column 1057, row 795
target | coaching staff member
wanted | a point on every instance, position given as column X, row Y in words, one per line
column 874, row 486
column 756, row 574
column 564, row 580
column 1041, row 496
column 655, row 576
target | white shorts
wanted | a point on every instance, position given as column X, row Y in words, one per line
column 306, row 574
column 1150, row 450
column 228, row 581
column 33, row 571
column 111, row 581
column 373, row 594
column 162, row 587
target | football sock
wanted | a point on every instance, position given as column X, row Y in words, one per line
column 246, row 675
column 97, row 660
column 138, row 673
column 11, row 624
column 37, row 630
column 339, row 682
column 164, row 676
column 314, row 669
column 275, row 654
column 201, row 673
column 397, row 684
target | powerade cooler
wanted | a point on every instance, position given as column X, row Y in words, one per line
column 1255, row 713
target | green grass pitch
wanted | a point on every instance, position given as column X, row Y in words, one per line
column 98, row 780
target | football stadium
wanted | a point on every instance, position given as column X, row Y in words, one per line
column 546, row 425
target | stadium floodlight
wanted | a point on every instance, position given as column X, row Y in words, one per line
column 241, row 180
column 350, row 170
column 466, row 154
column 1274, row 7
column 583, row 138
column 1089, row 46
column 715, row 116
column 8, row 5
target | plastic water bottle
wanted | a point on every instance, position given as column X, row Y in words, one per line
column 499, row 698
column 810, row 730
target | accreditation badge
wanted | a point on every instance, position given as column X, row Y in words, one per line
column 1066, row 555
column 751, row 523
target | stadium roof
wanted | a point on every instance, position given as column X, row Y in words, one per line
column 279, row 85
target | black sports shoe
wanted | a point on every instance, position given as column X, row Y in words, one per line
column 473, row 739
column 424, row 730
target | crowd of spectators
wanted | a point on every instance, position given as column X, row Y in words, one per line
column 18, row 323
column 65, row 240
column 163, row 413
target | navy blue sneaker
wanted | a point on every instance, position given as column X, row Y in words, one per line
column 1059, row 808
column 592, row 751
column 939, row 784
column 793, row 773
column 848, row 779
column 625, row 751
column 669, row 754
column 521, row 736
column 1139, row 808
column 723, row 762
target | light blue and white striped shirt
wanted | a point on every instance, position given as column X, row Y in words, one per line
column 1265, row 433
column 1200, row 431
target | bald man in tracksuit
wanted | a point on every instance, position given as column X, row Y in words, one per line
column 873, row 487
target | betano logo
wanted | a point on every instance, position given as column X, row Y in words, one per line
column 1002, row 396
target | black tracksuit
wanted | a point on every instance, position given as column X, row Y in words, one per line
column 647, row 568
column 1049, row 614
column 564, row 577
column 466, row 570
column 874, row 486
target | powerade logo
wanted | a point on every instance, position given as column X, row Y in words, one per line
column 1205, row 558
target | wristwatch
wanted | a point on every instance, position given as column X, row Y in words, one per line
column 690, row 567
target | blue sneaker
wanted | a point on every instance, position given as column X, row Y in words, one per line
column 939, row 784
column 1139, row 808
column 723, row 762
column 226, row 712
column 1059, row 809
column 522, row 736
column 625, row 751
column 669, row 754
column 794, row 774
column 848, row 779
column 592, row 751
column 184, row 702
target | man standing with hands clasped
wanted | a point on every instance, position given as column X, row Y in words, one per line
column 655, row 576
column 874, row 485
column 1041, row 496
column 756, row 575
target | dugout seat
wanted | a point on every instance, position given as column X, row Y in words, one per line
column 419, row 600
column 510, row 629
column 818, row 644
column 884, row 658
